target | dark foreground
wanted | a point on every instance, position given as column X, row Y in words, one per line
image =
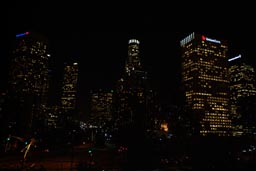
column 140, row 156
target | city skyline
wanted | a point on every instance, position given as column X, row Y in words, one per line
column 101, row 58
column 101, row 51
column 104, row 86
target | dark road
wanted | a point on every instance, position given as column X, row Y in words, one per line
column 70, row 159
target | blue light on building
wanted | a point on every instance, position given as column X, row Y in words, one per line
column 22, row 34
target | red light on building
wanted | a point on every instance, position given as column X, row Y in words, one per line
column 203, row 38
column 27, row 33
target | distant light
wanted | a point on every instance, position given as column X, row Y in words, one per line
column 134, row 41
column 239, row 56
column 210, row 40
column 75, row 63
column 187, row 39
column 22, row 34
column 48, row 55
column 203, row 38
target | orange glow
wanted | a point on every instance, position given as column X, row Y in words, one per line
column 164, row 126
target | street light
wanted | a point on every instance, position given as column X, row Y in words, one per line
column 90, row 152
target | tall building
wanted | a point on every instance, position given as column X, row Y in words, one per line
column 206, row 84
column 101, row 106
column 133, row 62
column 28, row 79
column 130, row 98
column 69, row 88
column 242, row 86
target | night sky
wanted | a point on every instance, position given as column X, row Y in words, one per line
column 99, row 42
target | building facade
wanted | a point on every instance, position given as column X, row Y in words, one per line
column 130, row 94
column 69, row 88
column 242, row 88
column 206, row 84
column 28, row 79
column 101, row 104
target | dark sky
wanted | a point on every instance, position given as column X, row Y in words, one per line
column 99, row 42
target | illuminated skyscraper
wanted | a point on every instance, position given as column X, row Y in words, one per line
column 131, row 87
column 242, row 85
column 135, row 76
column 206, row 83
column 69, row 88
column 29, row 81
column 101, row 106
column 133, row 61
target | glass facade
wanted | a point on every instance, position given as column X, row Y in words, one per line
column 101, row 105
column 29, row 69
column 29, row 77
column 242, row 85
column 206, row 84
column 130, row 90
column 69, row 88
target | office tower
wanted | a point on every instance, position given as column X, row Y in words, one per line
column 205, row 82
column 69, row 88
column 101, row 106
column 131, row 88
column 133, row 62
column 28, row 79
column 242, row 88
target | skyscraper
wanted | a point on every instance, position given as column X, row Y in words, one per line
column 131, row 87
column 206, row 84
column 28, row 80
column 101, row 106
column 69, row 87
column 242, row 86
column 133, row 62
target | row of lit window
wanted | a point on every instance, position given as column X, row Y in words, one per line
column 211, row 49
column 243, row 86
column 220, row 125
column 222, row 121
column 203, row 94
column 217, row 99
column 194, row 93
column 215, row 114
column 219, row 109
column 210, row 101
column 219, row 131
column 212, row 71
column 206, row 86
column 207, row 54
column 205, row 63
column 213, row 79
column 201, row 103
column 187, row 79
column 216, row 119
column 188, row 63
column 217, row 105
column 202, row 107
column 210, row 118
column 204, row 50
